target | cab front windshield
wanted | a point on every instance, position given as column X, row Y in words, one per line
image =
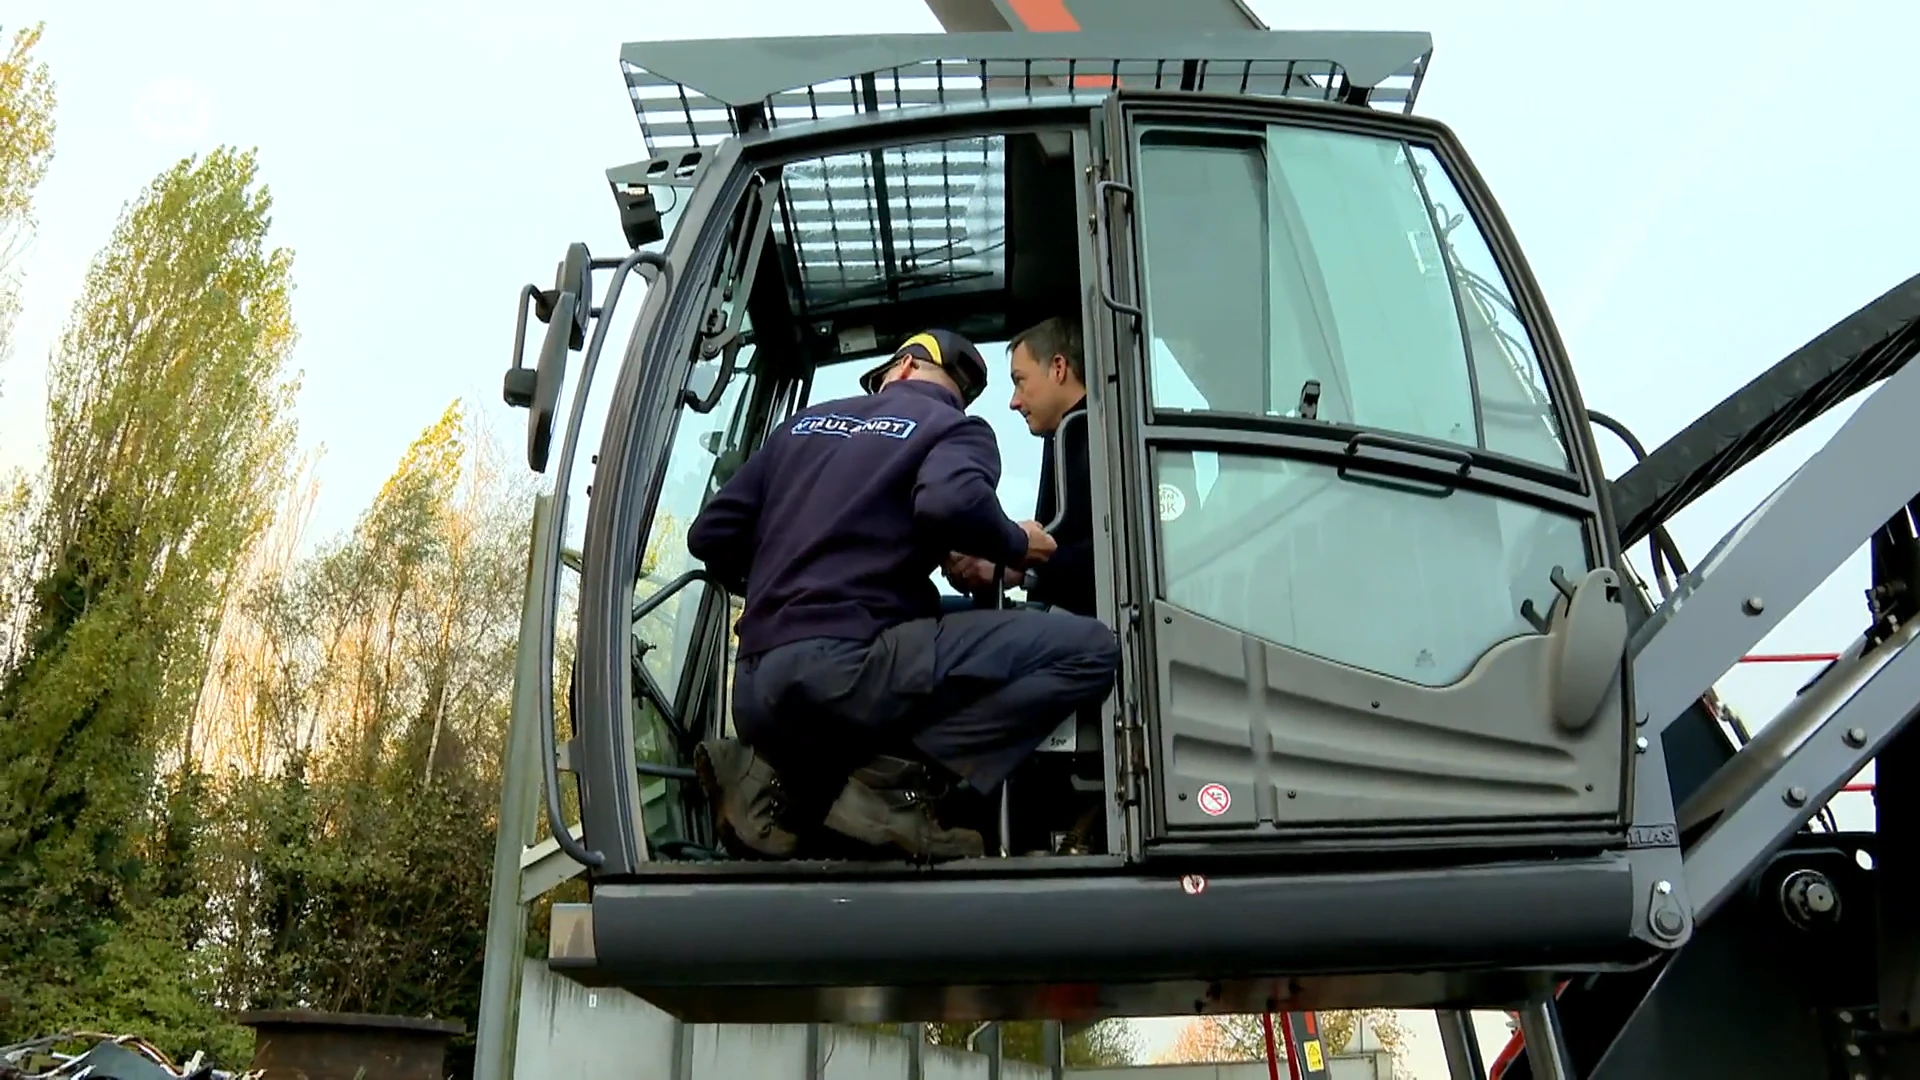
column 1340, row 259
column 1282, row 260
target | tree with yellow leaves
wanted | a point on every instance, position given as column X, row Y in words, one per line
column 1241, row 1037
column 26, row 148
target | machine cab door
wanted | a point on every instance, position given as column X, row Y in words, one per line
column 1373, row 591
column 654, row 645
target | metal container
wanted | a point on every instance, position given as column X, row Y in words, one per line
column 298, row 1044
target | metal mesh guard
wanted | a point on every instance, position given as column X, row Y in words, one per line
column 674, row 116
column 945, row 226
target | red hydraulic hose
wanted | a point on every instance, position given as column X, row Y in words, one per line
column 1273, row 1050
column 1516, row 1045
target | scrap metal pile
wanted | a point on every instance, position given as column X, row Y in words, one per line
column 109, row 1057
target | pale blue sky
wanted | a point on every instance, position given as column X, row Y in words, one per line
column 1700, row 189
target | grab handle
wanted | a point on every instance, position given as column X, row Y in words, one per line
column 550, row 560
column 1103, row 250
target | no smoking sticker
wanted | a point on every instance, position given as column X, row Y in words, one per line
column 1214, row 799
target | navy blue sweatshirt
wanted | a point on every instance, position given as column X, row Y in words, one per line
column 835, row 526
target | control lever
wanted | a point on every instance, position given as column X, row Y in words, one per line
column 1000, row 586
column 1006, row 786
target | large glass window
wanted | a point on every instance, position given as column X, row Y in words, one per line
column 1294, row 255
column 1404, row 579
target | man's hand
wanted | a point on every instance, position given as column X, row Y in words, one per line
column 1040, row 545
column 966, row 573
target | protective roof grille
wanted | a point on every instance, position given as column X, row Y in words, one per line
column 672, row 116
column 696, row 93
column 897, row 223
column 892, row 224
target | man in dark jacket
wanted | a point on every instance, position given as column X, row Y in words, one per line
column 832, row 531
column 1049, row 384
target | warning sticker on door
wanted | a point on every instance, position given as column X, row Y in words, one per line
column 1214, row 799
column 1314, row 1061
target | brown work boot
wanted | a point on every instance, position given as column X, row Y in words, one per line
column 888, row 774
column 745, row 791
column 901, row 820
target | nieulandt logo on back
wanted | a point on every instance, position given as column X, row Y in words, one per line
column 846, row 427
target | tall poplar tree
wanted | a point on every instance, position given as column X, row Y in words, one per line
column 168, row 434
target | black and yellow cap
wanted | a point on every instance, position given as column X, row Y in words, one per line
column 945, row 350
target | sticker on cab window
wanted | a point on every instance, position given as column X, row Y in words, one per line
column 1173, row 502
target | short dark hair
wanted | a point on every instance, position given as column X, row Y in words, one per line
column 1057, row 336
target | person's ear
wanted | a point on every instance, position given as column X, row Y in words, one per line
column 1059, row 369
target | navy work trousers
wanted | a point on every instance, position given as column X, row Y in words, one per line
column 975, row 691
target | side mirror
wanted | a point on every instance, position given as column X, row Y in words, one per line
column 575, row 275
column 548, row 375
column 567, row 309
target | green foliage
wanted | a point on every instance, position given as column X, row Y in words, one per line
column 166, row 423
column 353, row 869
column 366, row 896
column 229, row 780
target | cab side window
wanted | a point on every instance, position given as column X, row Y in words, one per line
column 697, row 462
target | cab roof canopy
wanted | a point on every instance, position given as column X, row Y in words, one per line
column 970, row 226
column 698, row 92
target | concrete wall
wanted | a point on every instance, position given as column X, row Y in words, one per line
column 569, row 1032
column 1365, row 1066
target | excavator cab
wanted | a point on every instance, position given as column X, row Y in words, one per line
column 1374, row 740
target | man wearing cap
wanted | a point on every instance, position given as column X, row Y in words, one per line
column 832, row 530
